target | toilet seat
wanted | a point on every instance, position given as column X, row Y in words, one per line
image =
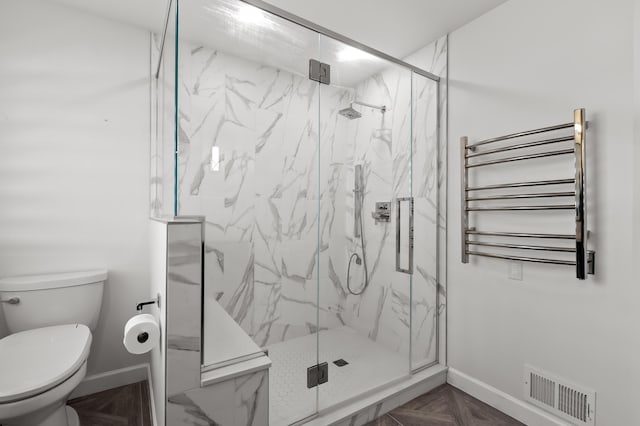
column 34, row 361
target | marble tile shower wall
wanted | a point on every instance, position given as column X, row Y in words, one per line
column 262, row 205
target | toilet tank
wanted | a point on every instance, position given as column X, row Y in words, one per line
column 34, row 301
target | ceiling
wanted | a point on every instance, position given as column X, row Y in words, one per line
column 395, row 27
column 398, row 28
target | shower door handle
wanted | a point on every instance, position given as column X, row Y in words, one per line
column 409, row 238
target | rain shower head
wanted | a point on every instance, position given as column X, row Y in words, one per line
column 352, row 114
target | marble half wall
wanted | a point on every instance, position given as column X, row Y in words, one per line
column 241, row 400
column 183, row 305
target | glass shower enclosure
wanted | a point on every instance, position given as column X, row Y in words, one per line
column 314, row 161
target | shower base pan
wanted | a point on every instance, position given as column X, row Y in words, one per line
column 369, row 384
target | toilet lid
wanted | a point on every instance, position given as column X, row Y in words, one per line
column 34, row 361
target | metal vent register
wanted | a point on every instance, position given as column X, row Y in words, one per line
column 558, row 396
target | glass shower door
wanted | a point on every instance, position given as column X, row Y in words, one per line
column 424, row 298
column 248, row 150
column 365, row 218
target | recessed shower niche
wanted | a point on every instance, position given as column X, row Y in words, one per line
column 286, row 138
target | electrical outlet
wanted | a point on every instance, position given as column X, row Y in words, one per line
column 515, row 271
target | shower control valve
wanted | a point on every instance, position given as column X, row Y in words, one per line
column 382, row 214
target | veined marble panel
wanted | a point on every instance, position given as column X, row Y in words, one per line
column 243, row 401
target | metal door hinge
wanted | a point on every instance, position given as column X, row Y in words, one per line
column 317, row 375
column 319, row 72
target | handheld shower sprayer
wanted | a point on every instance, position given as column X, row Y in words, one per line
column 358, row 231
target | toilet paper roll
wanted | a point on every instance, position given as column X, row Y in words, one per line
column 141, row 333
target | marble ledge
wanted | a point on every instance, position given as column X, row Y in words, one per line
column 171, row 220
column 233, row 371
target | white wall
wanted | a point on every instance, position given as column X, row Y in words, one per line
column 526, row 65
column 636, row 140
column 74, row 134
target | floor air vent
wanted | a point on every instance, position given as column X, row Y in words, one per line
column 560, row 397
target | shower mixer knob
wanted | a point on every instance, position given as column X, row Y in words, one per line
column 382, row 212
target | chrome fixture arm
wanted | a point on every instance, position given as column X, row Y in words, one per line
column 382, row 108
column 11, row 301
column 584, row 259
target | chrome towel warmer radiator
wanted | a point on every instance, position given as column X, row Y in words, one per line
column 471, row 157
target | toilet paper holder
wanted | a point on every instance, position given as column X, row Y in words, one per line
column 141, row 305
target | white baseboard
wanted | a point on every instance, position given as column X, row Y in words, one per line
column 518, row 409
column 111, row 379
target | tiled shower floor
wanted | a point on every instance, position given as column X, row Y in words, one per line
column 370, row 366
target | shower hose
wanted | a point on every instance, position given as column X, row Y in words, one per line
column 364, row 261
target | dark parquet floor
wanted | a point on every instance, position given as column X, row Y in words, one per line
column 123, row 406
column 445, row 406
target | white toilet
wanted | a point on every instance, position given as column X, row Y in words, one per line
column 51, row 318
